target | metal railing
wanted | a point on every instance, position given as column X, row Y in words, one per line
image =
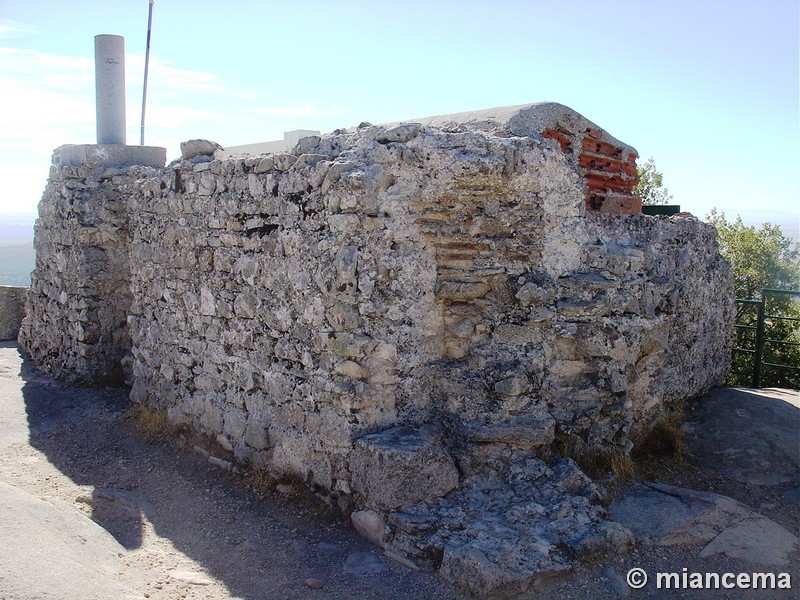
column 762, row 337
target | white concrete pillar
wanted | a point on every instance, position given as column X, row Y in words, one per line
column 109, row 69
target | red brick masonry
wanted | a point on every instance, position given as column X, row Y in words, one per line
column 609, row 170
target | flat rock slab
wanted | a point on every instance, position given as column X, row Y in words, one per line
column 665, row 515
column 364, row 563
column 757, row 539
column 72, row 557
column 751, row 436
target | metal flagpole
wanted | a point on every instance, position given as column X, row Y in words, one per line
column 146, row 66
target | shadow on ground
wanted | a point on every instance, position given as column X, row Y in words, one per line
column 195, row 532
column 258, row 547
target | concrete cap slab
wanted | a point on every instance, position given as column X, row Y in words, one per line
column 110, row 155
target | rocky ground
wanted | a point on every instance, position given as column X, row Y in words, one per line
column 91, row 508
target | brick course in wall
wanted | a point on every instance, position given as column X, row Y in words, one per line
column 609, row 169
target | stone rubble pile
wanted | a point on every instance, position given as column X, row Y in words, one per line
column 512, row 520
column 506, row 529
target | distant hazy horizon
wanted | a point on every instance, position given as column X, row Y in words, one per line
column 16, row 263
column 788, row 222
column 18, row 228
column 17, row 258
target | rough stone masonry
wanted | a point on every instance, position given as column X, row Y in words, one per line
column 422, row 321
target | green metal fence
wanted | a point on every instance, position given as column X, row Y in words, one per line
column 767, row 340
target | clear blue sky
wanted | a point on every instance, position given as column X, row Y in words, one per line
column 709, row 88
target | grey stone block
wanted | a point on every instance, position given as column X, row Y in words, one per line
column 401, row 466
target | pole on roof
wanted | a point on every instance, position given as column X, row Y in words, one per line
column 109, row 69
column 146, row 67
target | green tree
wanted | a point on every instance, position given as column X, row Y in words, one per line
column 763, row 258
column 651, row 185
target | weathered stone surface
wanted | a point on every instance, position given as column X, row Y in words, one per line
column 401, row 466
column 402, row 133
column 503, row 530
column 750, row 437
column 453, row 271
column 193, row 148
column 607, row 164
column 12, row 310
column 78, row 304
column 89, row 556
column 521, row 431
column 325, row 262
column 370, row 524
column 757, row 539
column 665, row 515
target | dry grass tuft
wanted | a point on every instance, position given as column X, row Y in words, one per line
column 663, row 446
column 622, row 465
column 261, row 481
column 596, row 463
column 666, row 439
column 151, row 424
column 592, row 462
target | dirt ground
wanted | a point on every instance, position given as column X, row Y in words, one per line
column 188, row 528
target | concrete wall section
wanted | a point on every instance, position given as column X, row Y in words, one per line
column 290, row 138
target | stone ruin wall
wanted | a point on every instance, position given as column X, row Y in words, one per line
column 12, row 310
column 288, row 304
column 446, row 289
column 77, row 307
